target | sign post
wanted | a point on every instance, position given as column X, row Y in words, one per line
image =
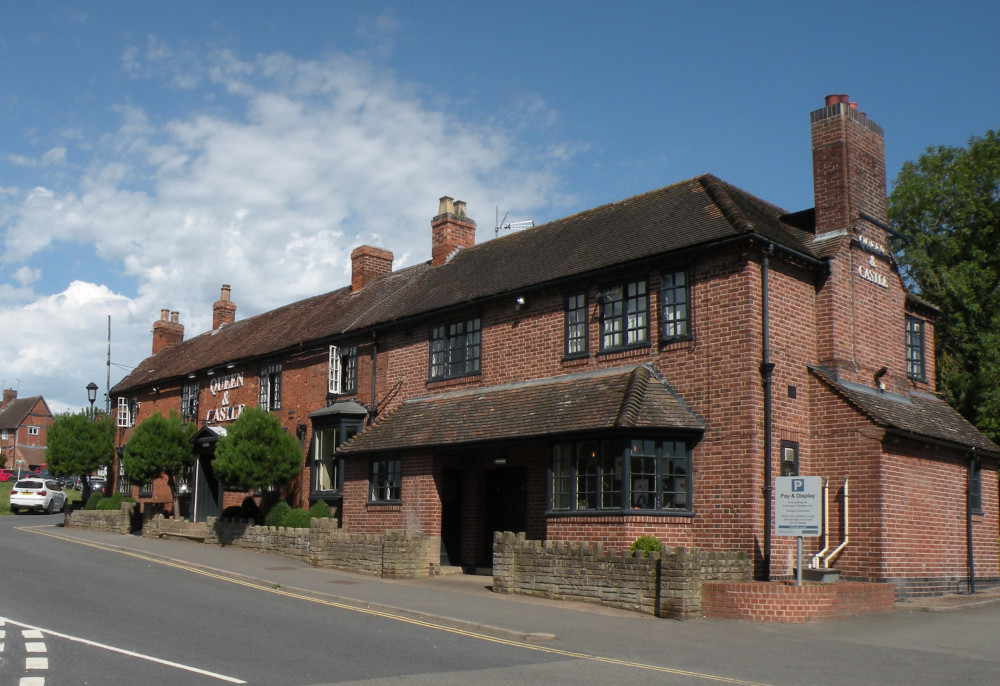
column 798, row 510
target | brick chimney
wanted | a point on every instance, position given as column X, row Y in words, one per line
column 848, row 165
column 224, row 309
column 167, row 331
column 367, row 264
column 9, row 396
column 860, row 299
column 451, row 230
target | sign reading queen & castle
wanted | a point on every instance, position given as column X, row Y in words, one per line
column 228, row 411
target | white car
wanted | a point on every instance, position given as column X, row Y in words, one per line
column 37, row 494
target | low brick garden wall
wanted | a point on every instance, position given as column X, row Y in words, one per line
column 116, row 521
column 785, row 602
column 665, row 584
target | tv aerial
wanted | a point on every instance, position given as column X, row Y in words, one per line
column 504, row 225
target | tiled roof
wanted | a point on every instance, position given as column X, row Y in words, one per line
column 621, row 398
column 915, row 414
column 700, row 211
column 12, row 416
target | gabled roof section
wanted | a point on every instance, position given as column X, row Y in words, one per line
column 620, row 398
column 12, row 416
column 916, row 415
column 703, row 211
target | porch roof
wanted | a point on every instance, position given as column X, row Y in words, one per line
column 916, row 415
column 620, row 398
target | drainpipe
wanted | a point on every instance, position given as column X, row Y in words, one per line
column 968, row 521
column 766, row 372
column 371, row 413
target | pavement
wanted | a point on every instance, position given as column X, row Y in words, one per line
column 460, row 601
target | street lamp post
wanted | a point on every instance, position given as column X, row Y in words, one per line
column 92, row 396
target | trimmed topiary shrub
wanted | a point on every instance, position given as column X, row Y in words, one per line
column 296, row 519
column 93, row 501
column 276, row 514
column 646, row 545
column 320, row 510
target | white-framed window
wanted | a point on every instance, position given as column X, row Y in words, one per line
column 343, row 369
column 127, row 409
column 32, row 430
column 270, row 387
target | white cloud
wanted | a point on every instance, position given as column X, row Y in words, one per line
column 322, row 157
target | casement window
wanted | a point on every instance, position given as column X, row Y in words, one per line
column 343, row 368
column 621, row 475
column 455, row 349
column 916, row 367
column 675, row 299
column 975, row 486
column 624, row 316
column 789, row 458
column 127, row 410
column 384, row 480
column 328, row 467
column 270, row 387
column 576, row 325
column 189, row 401
column 32, row 430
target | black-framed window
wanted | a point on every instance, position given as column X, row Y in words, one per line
column 189, row 401
column 650, row 475
column 270, row 387
column 576, row 325
column 625, row 316
column 789, row 458
column 916, row 367
column 975, row 486
column 384, row 481
column 675, row 299
column 455, row 349
column 343, row 369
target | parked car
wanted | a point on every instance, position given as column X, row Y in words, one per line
column 6, row 475
column 37, row 494
column 97, row 484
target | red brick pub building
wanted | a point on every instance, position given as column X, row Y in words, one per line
column 645, row 367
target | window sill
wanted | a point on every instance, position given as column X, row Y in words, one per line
column 619, row 513
column 667, row 342
column 643, row 349
column 389, row 505
column 327, row 496
column 454, row 380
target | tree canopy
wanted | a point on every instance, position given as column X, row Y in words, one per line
column 256, row 452
column 947, row 206
column 159, row 445
column 79, row 445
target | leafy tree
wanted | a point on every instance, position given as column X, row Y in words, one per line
column 256, row 452
column 80, row 445
column 160, row 445
column 947, row 205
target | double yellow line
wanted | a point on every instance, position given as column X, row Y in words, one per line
column 401, row 618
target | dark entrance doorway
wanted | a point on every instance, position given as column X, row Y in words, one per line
column 506, row 504
column 207, row 493
column 451, row 517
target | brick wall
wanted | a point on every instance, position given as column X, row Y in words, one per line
column 116, row 521
column 790, row 604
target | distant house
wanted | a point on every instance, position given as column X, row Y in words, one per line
column 24, row 423
column 647, row 367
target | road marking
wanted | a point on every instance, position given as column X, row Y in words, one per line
column 31, row 681
column 36, row 663
column 34, row 647
column 395, row 617
column 27, row 633
column 122, row 651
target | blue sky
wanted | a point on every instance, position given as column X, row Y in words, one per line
column 152, row 151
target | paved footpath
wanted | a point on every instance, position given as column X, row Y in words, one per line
column 457, row 600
